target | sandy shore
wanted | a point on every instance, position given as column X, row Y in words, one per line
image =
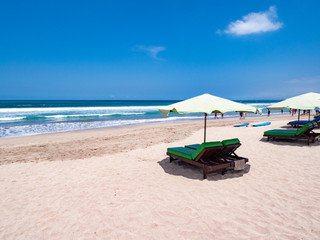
column 118, row 184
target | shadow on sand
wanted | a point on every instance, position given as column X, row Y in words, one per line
column 288, row 127
column 180, row 168
column 291, row 142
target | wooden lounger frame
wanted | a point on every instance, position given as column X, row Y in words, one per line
column 308, row 135
column 228, row 153
column 209, row 160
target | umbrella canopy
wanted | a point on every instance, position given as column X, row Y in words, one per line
column 207, row 104
column 307, row 101
column 312, row 95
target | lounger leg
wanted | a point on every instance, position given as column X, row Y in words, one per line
column 223, row 171
column 204, row 173
column 171, row 159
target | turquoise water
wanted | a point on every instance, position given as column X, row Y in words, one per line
column 19, row 118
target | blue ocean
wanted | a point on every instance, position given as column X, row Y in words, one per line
column 20, row 118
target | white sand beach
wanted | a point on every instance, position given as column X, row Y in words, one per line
column 119, row 184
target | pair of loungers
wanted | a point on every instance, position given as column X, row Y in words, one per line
column 303, row 122
column 305, row 133
column 210, row 156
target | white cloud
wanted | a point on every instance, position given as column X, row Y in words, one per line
column 255, row 23
column 281, row 89
column 305, row 84
column 311, row 81
column 297, row 86
column 152, row 51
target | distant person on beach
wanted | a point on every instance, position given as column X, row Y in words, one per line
column 215, row 115
column 221, row 115
column 281, row 111
column 268, row 113
column 244, row 115
column 292, row 112
column 241, row 115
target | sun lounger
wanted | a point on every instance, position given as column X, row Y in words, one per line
column 207, row 156
column 228, row 152
column 303, row 122
column 306, row 133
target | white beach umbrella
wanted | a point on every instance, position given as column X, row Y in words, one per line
column 207, row 104
column 307, row 101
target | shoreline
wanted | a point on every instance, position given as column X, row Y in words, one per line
column 98, row 142
column 17, row 129
column 188, row 121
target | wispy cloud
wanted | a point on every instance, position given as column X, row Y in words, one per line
column 304, row 84
column 152, row 51
column 282, row 89
column 313, row 81
column 255, row 23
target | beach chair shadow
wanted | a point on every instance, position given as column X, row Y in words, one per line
column 181, row 168
column 286, row 127
column 290, row 142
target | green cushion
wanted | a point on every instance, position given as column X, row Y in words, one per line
column 192, row 154
column 280, row 132
column 193, row 146
column 205, row 145
column 230, row 141
column 284, row 130
column 304, row 127
column 182, row 152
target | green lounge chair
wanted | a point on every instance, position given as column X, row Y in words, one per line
column 305, row 132
column 228, row 152
column 205, row 155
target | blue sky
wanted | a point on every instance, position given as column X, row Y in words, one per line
column 158, row 49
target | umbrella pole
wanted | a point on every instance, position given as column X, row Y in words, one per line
column 298, row 118
column 205, row 126
column 309, row 114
